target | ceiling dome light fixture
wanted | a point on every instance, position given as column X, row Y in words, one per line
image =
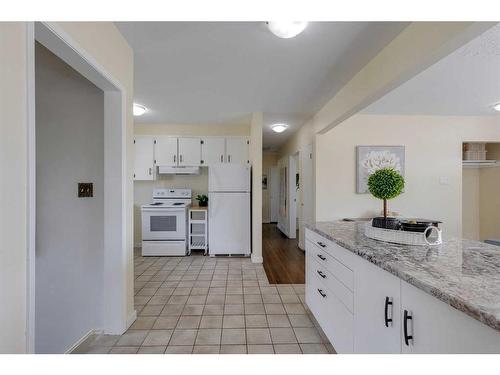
column 139, row 110
column 496, row 107
column 286, row 29
column 279, row 128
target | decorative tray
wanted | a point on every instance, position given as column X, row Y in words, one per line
column 431, row 236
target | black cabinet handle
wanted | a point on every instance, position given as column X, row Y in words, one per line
column 406, row 317
column 321, row 274
column 321, row 257
column 320, row 291
column 386, row 311
column 321, row 244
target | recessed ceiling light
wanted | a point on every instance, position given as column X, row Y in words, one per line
column 286, row 29
column 279, row 128
column 496, row 107
column 139, row 110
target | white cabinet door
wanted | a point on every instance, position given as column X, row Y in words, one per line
column 144, row 158
column 237, row 150
column 436, row 327
column 213, row 151
column 166, row 151
column 377, row 320
column 189, row 151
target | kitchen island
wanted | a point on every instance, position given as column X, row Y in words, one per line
column 372, row 296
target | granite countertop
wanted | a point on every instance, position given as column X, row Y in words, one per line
column 462, row 273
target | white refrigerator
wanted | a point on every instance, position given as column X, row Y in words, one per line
column 229, row 228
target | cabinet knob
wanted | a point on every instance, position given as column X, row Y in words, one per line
column 407, row 316
column 387, row 320
column 321, row 257
column 321, row 244
column 320, row 291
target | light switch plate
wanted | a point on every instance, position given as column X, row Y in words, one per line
column 85, row 189
column 444, row 180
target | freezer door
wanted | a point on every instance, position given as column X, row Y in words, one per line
column 229, row 177
column 229, row 223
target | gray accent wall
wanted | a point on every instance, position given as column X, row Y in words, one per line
column 69, row 230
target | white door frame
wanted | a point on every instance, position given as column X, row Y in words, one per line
column 306, row 189
column 53, row 37
column 274, row 193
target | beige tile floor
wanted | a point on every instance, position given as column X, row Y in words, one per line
column 197, row 304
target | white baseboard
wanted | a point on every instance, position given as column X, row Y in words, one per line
column 256, row 259
column 82, row 339
column 131, row 319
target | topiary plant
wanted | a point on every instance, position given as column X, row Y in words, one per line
column 386, row 183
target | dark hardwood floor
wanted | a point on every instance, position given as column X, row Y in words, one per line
column 284, row 262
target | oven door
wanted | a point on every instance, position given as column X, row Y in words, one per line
column 161, row 225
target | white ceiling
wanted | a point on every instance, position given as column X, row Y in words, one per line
column 220, row 72
column 465, row 83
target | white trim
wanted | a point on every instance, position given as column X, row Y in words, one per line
column 131, row 319
column 256, row 259
column 65, row 47
column 31, row 190
column 82, row 339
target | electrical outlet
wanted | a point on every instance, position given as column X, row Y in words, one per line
column 85, row 189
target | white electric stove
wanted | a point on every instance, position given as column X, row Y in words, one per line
column 164, row 223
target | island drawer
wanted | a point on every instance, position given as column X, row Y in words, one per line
column 342, row 255
column 345, row 295
column 343, row 273
column 334, row 318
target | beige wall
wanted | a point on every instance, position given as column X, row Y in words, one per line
column 143, row 190
column 489, row 203
column 470, row 203
column 433, row 165
column 13, row 185
column 269, row 159
column 104, row 43
column 192, row 129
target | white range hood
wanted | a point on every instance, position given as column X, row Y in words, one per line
column 165, row 169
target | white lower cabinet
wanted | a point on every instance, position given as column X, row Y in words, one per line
column 388, row 315
column 435, row 327
column 377, row 310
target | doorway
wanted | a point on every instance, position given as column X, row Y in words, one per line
column 78, row 262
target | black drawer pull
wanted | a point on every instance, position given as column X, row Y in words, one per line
column 321, row 257
column 321, row 274
column 406, row 317
column 320, row 291
column 321, row 244
column 386, row 311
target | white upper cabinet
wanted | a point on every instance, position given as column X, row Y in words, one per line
column 237, row 150
column 189, row 151
column 213, row 151
column 166, row 151
column 144, row 158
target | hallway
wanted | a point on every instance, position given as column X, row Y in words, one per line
column 284, row 262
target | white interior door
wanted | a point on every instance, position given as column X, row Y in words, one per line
column 229, row 223
column 166, row 151
column 213, row 151
column 144, row 158
column 307, row 190
column 189, row 151
column 237, row 150
column 274, row 193
column 292, row 194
